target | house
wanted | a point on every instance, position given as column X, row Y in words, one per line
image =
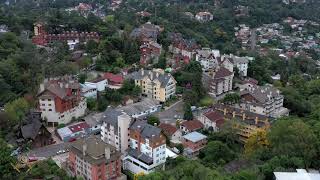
column 150, row 53
column 155, row 84
column 69, row 133
column 141, row 109
column 246, row 122
column 115, row 128
column 91, row 158
column 146, row 33
column 143, row 14
column 218, row 81
column 204, row 16
column 301, row 174
column 171, row 132
column 88, row 91
column 147, row 150
column 212, row 120
column 33, row 130
column 99, row 83
column 265, row 100
column 115, row 81
column 191, row 126
column 60, row 100
column 42, row 38
column 184, row 47
column 193, row 143
column 207, row 58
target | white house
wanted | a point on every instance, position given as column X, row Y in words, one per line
column 147, row 150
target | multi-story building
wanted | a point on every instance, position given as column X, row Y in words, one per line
column 41, row 37
column 141, row 109
column 114, row 128
column 241, row 63
column 265, row 100
column 184, row 47
column 92, row 159
column 246, row 122
column 60, row 100
column 208, row 58
column 147, row 150
column 150, row 53
column 155, row 84
column 218, row 81
column 204, row 16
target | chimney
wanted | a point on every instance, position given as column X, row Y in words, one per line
column 256, row 120
column 233, row 114
column 243, row 116
column 225, row 111
column 155, row 124
column 142, row 71
column 107, row 152
column 157, row 74
column 84, row 149
column 61, row 85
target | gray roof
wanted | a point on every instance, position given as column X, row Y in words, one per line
column 163, row 77
column 194, row 136
column 262, row 93
column 146, row 130
column 95, row 150
column 240, row 60
column 139, row 107
column 110, row 117
column 33, row 126
column 140, row 156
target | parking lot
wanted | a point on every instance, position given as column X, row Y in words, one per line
column 49, row 151
column 171, row 114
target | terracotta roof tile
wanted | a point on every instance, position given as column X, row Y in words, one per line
column 192, row 125
column 168, row 129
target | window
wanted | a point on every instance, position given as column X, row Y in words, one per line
column 50, row 109
column 49, row 99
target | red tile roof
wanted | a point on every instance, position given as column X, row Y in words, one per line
column 168, row 129
column 79, row 127
column 114, row 78
column 216, row 117
column 192, row 125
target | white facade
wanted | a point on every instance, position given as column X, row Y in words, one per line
column 99, row 85
column 207, row 58
column 49, row 113
column 117, row 133
column 72, row 43
column 207, row 123
column 136, row 166
column 88, row 91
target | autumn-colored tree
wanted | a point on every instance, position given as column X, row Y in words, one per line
column 256, row 141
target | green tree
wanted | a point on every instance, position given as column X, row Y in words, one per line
column 152, row 120
column 6, row 170
column 288, row 134
column 187, row 112
column 17, row 109
column 216, row 152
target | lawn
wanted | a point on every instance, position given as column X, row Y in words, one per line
column 206, row 101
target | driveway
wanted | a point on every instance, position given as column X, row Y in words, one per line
column 48, row 151
column 171, row 114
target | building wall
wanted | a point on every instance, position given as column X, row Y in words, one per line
column 101, row 85
column 207, row 122
column 120, row 139
column 195, row 146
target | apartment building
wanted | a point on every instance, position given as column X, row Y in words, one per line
column 155, row 84
column 218, row 81
column 92, row 159
column 147, row 150
column 208, row 58
column 60, row 100
column 246, row 122
column 115, row 128
column 265, row 100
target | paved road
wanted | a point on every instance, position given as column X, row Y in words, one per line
column 49, row 151
column 173, row 113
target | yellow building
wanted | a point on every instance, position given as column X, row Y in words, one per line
column 155, row 84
